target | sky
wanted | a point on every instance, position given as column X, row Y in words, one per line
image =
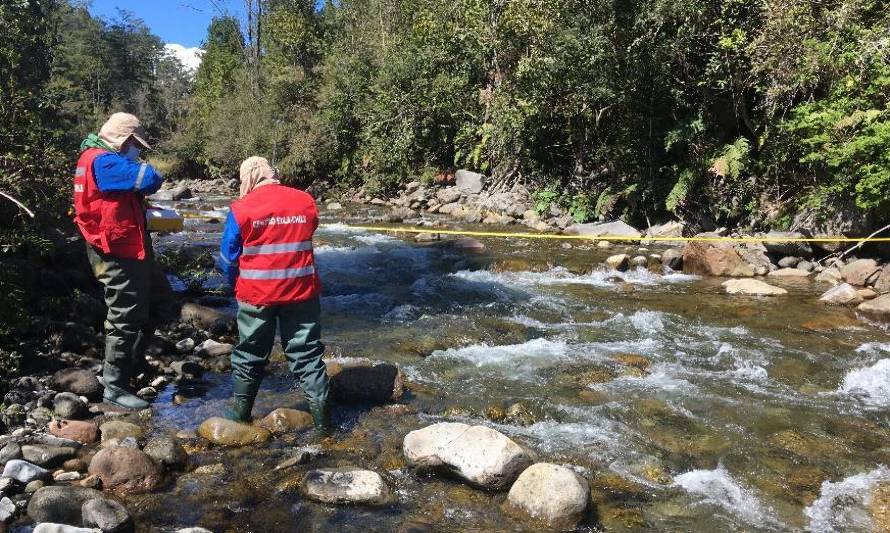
column 181, row 22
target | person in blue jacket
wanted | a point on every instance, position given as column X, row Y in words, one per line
column 110, row 186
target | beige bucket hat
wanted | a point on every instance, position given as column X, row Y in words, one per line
column 255, row 172
column 119, row 128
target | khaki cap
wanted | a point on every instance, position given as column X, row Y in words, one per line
column 119, row 128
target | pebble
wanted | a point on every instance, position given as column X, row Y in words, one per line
column 185, row 346
column 49, row 527
column 552, row 493
column 7, row 510
column 68, row 476
column 147, row 393
column 118, row 429
column 34, row 486
column 9, row 452
column 160, row 382
column 68, row 405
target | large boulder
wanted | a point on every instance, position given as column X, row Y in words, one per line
column 230, row 433
column 860, row 272
column 126, row 470
column 106, row 515
column 605, row 229
column 81, row 431
column 60, row 504
column 620, row 262
column 877, row 309
column 363, row 380
column 785, row 247
column 668, row 229
column 843, row 294
column 714, row 259
column 345, row 486
column 207, row 318
column 752, row 287
column 78, row 381
column 478, row 455
column 23, row 471
column 181, row 192
column 673, row 258
column 551, row 493
column 284, row 420
column 469, row 182
column 754, row 255
column 830, row 275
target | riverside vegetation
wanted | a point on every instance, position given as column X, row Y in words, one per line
column 634, row 395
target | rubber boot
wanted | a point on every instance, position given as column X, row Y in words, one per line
column 116, row 377
column 243, row 396
column 321, row 416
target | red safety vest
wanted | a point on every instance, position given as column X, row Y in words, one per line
column 277, row 265
column 112, row 222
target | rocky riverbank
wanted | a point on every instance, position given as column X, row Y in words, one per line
column 849, row 277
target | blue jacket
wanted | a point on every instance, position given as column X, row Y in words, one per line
column 116, row 173
column 230, row 250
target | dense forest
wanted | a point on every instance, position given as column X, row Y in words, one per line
column 750, row 113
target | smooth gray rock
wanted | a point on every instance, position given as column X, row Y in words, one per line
column 107, row 515
column 843, row 294
column 60, row 505
column 47, row 456
column 785, row 248
column 9, row 452
column 23, row 471
column 67, row 405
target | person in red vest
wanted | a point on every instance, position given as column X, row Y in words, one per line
column 110, row 185
column 267, row 256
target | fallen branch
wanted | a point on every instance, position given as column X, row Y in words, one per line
column 857, row 245
column 16, row 202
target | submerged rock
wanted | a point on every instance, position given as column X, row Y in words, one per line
column 879, row 506
column 551, row 493
column 345, row 486
column 107, row 515
column 479, row 455
column 119, row 430
column 166, row 452
column 752, row 287
column 126, row 470
column 229, row 433
column 363, row 380
column 843, row 294
column 286, row 420
column 60, row 504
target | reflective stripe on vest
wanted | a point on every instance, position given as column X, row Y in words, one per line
column 268, row 249
column 284, row 273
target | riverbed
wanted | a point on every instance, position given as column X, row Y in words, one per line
column 686, row 409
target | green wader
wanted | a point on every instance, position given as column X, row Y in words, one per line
column 139, row 299
column 301, row 337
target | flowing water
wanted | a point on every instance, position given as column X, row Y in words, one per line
column 686, row 409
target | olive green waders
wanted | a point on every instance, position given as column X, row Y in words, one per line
column 301, row 338
column 139, row 299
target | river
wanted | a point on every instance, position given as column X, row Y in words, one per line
column 686, row 409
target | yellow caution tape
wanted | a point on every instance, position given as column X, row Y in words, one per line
column 561, row 237
column 506, row 234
